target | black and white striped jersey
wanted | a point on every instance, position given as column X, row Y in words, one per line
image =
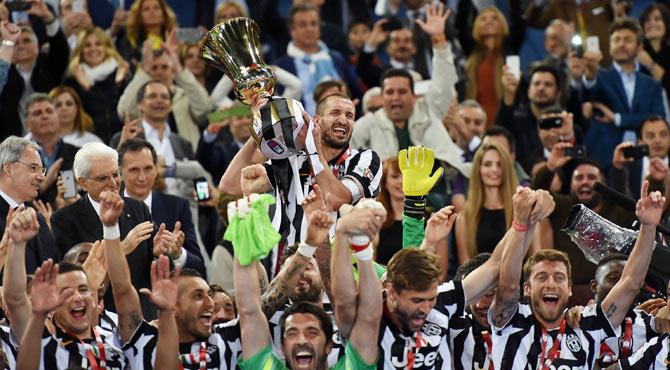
column 359, row 171
column 636, row 330
column 219, row 351
column 109, row 320
column 468, row 344
column 63, row 351
column 9, row 347
column 519, row 345
column 653, row 355
column 428, row 348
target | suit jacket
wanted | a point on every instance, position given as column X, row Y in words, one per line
column 182, row 148
column 628, row 180
column 40, row 248
column 602, row 138
column 79, row 222
column 169, row 209
column 217, row 155
column 47, row 73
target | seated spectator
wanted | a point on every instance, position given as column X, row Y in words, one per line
column 483, row 66
column 392, row 197
column 619, row 107
column 521, row 116
column 76, row 125
column 628, row 174
column 138, row 164
column 188, row 99
column 372, row 100
column 99, row 75
column 147, row 20
column 407, row 120
column 223, row 139
column 655, row 53
column 44, row 129
column 400, row 48
column 586, row 173
column 20, row 177
column 31, row 71
column 189, row 56
column 489, row 202
column 310, row 59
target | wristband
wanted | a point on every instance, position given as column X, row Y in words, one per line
column 438, row 39
column 306, row 250
column 360, row 247
column 111, row 232
column 415, row 206
column 317, row 166
column 519, row 227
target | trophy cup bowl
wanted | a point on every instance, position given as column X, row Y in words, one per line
column 232, row 46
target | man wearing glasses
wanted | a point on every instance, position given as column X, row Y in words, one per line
column 21, row 174
column 96, row 170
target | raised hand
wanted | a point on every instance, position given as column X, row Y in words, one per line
column 523, row 201
column 436, row 17
column 314, row 201
column 111, row 207
column 360, row 221
column 606, row 116
column 131, row 128
column 164, row 241
column 377, row 35
column 618, row 159
column 9, row 31
column 658, row 170
column 40, row 9
column 52, row 175
column 44, row 294
column 650, row 206
column 94, row 265
column 24, row 225
column 543, row 207
column 318, row 225
column 163, row 291
column 44, row 208
column 416, row 163
column 179, row 238
column 254, row 179
column 439, row 224
column 137, row 235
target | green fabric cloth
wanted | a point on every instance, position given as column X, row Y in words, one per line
column 253, row 236
column 412, row 231
column 266, row 360
column 402, row 134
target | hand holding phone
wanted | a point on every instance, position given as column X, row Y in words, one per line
column 592, row 44
column 67, row 177
column 202, row 189
column 513, row 62
column 636, row 152
column 576, row 151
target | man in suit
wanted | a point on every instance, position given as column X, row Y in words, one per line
column 96, row 170
column 310, row 59
column 626, row 174
column 21, row 174
column 622, row 96
column 137, row 159
column 32, row 70
column 44, row 127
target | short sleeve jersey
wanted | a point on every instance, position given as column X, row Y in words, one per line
column 265, row 359
column 637, row 329
column 653, row 355
column 472, row 352
column 64, row 351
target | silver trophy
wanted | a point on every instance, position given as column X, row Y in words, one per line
column 596, row 236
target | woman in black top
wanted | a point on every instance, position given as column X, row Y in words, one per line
column 655, row 55
column 392, row 197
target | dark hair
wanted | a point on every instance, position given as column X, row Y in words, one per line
column 323, row 86
column 321, row 105
column 590, row 162
column 356, row 21
column 496, row 130
column 547, row 68
column 141, row 91
column 628, row 23
column 466, row 268
column 65, row 267
column 650, row 119
column 189, row 272
column 308, row 308
column 134, row 146
column 395, row 72
column 299, row 8
column 665, row 15
column 611, row 257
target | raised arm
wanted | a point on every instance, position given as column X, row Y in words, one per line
column 617, row 302
column 21, row 226
column 163, row 294
column 44, row 298
column 126, row 299
column 253, row 323
column 359, row 222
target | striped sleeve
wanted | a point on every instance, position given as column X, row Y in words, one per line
column 451, row 298
column 364, row 172
column 140, row 351
column 653, row 355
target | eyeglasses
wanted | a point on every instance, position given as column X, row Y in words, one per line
column 105, row 178
column 34, row 167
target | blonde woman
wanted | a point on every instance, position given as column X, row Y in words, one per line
column 98, row 74
column 76, row 126
column 488, row 212
column 147, row 19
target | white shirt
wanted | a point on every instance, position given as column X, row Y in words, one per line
column 163, row 147
column 12, row 203
column 96, row 205
column 645, row 167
